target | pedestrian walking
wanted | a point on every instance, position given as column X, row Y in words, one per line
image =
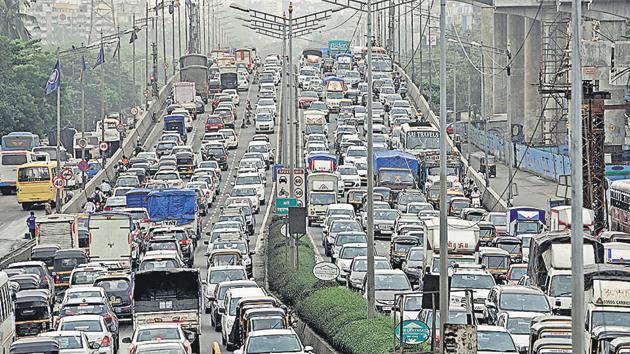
column 32, row 226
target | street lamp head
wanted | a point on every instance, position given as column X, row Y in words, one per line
column 451, row 40
column 476, row 44
column 290, row 7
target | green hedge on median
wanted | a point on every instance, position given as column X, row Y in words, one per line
column 336, row 313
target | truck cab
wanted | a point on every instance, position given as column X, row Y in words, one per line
column 323, row 189
column 525, row 220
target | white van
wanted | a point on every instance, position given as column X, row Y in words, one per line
column 111, row 238
column 228, row 312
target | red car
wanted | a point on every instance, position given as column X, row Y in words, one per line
column 214, row 123
column 306, row 98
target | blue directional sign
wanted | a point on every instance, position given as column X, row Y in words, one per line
column 413, row 332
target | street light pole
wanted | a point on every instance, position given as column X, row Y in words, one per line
column 292, row 144
column 371, row 296
column 508, row 157
column 483, row 117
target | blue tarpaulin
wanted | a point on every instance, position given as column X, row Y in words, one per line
column 172, row 204
column 395, row 159
column 138, row 198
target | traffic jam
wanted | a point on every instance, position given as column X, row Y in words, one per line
column 161, row 260
column 509, row 273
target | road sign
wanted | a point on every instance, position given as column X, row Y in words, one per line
column 413, row 331
column 82, row 143
column 283, row 205
column 121, row 128
column 67, row 174
column 103, row 146
column 134, row 110
column 165, row 66
column 58, row 182
column 283, row 184
column 147, row 93
column 326, row 271
column 83, row 165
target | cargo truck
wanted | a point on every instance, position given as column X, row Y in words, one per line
column 198, row 74
column 169, row 296
column 174, row 207
column 463, row 243
column 323, row 189
column 57, row 229
column 525, row 220
column 549, row 266
column 110, row 235
column 560, row 219
column 395, row 170
column 184, row 95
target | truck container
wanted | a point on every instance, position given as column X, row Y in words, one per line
column 184, row 95
column 169, row 296
column 111, row 239
column 57, row 229
column 199, row 75
column 549, row 266
column 560, row 219
column 138, row 198
column 174, row 207
column 463, row 242
column 396, row 170
column 525, row 220
column 323, row 188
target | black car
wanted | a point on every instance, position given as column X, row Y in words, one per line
column 217, row 154
column 118, row 288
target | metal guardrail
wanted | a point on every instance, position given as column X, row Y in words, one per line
column 19, row 254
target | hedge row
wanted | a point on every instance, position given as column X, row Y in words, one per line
column 336, row 313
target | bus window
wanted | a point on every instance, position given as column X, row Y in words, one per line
column 34, row 174
column 14, row 159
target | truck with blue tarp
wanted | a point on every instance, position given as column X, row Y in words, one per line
column 174, row 207
column 321, row 162
column 396, row 170
column 138, row 198
column 176, row 123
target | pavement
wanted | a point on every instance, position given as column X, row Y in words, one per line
column 533, row 190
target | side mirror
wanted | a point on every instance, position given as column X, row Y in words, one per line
column 204, row 282
column 97, row 345
column 251, row 253
column 238, row 351
column 190, row 336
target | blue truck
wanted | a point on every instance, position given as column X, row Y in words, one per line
column 174, row 207
column 396, row 170
column 176, row 123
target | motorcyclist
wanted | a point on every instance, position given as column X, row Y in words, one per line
column 475, row 197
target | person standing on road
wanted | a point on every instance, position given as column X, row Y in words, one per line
column 32, row 226
column 106, row 188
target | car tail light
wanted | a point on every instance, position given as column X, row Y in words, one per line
column 107, row 208
column 183, row 242
column 57, row 279
column 132, row 349
column 45, row 280
column 105, row 341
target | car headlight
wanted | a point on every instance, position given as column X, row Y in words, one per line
column 247, row 261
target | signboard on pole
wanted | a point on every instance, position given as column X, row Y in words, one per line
column 283, row 185
column 413, row 332
column 103, row 146
column 83, row 165
column 58, row 182
column 67, row 174
column 283, row 205
column 326, row 271
column 82, row 143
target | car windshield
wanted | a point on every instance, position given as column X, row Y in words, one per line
column 524, row 302
column 82, row 294
column 243, row 180
column 217, row 276
column 214, row 120
column 243, row 192
column 361, row 265
column 113, row 284
column 357, row 152
column 351, row 252
column 82, row 309
column 314, row 129
column 258, row 148
column 264, row 118
column 416, row 255
column 157, row 334
column 510, row 247
column 82, row 325
column 473, row 281
column 344, row 225
column 495, row 341
column 354, row 238
column 69, row 342
column 385, row 214
column 281, row 343
column 158, row 264
column 527, row 227
column 610, row 318
column 560, row 285
column 348, row 170
column 241, row 246
column 258, row 324
column 519, row 325
column 499, row 220
column 86, row 277
column 518, row 272
column 410, row 198
column 391, row 282
column 495, row 261
column 166, row 176
column 403, row 246
column 322, row 199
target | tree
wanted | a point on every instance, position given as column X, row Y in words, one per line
column 13, row 21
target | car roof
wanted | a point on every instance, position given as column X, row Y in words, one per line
column 81, row 318
column 519, row 289
column 271, row 332
column 157, row 325
column 488, row 328
column 389, row 272
column 86, row 300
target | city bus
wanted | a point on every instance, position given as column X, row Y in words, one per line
column 9, row 162
column 35, row 183
column 17, row 141
column 419, row 139
column 7, row 314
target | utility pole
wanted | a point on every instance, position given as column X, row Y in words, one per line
column 174, row 63
column 484, row 119
column 413, row 48
column 508, row 157
column 444, row 294
column 58, row 150
column 577, row 240
column 146, row 58
column 165, row 65
column 292, row 144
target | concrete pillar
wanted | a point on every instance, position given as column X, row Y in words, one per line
column 487, row 38
column 515, row 36
column 614, row 120
column 500, row 81
column 533, row 55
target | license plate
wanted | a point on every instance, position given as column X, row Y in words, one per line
column 117, row 310
column 387, row 308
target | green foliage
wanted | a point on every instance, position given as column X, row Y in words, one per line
column 337, row 314
column 24, row 70
column 13, row 20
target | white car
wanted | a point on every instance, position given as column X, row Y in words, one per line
column 162, row 332
column 245, row 193
column 73, row 342
column 349, row 175
column 85, row 276
column 217, row 137
column 82, row 292
column 243, row 84
column 264, row 123
column 346, row 255
column 235, row 97
column 95, row 329
column 355, row 153
column 266, row 104
column 267, row 340
column 219, row 274
column 171, row 178
column 231, row 138
column 252, row 180
column 263, row 148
